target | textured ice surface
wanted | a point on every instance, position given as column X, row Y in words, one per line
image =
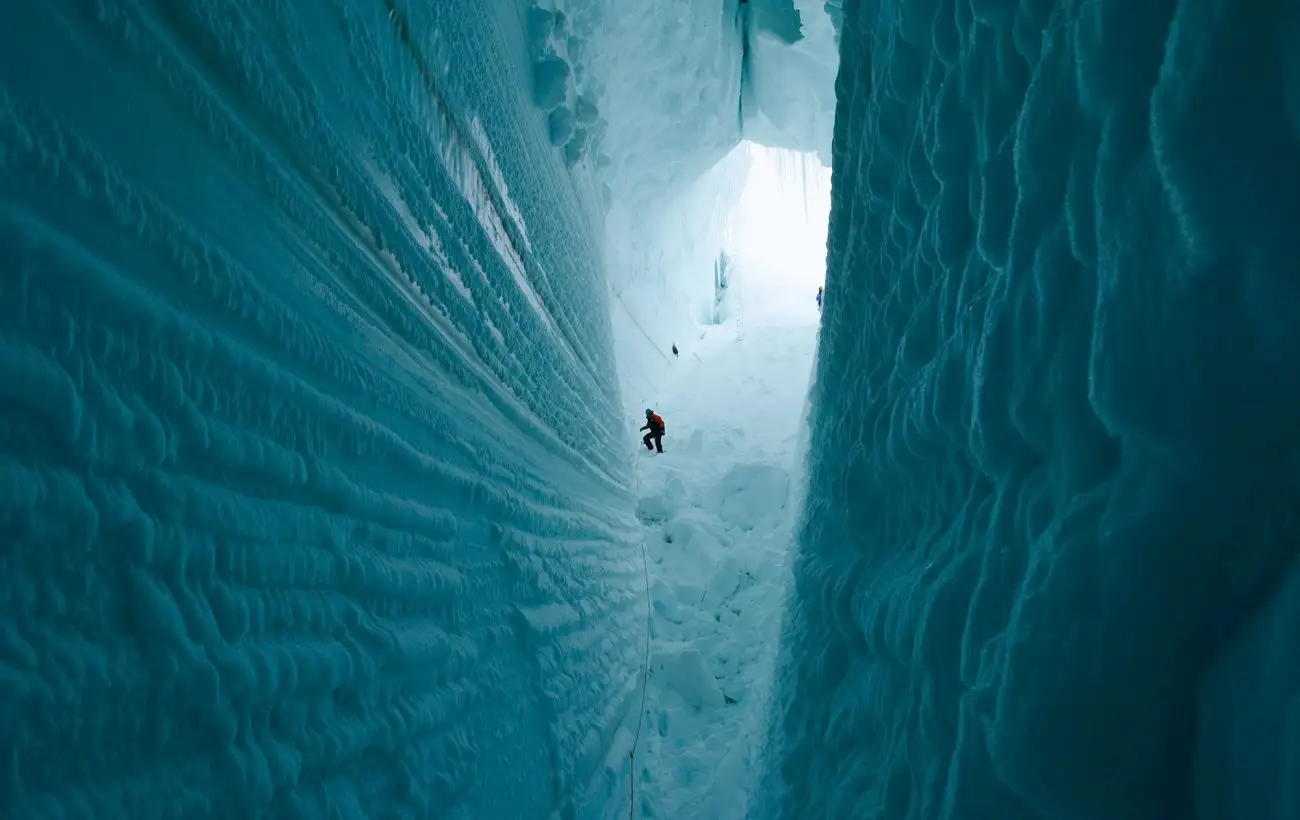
column 313, row 496
column 1054, row 453
column 1249, row 719
column 789, row 98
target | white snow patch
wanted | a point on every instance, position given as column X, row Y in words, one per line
column 718, row 503
column 498, row 179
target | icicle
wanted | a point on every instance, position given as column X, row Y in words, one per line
column 798, row 173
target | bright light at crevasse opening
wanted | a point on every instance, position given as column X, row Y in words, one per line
column 777, row 232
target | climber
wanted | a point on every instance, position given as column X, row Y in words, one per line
column 674, row 350
column 655, row 425
column 819, row 298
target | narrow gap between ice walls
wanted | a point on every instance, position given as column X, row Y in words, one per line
column 721, row 501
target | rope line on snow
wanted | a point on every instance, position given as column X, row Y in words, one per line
column 740, row 310
column 630, row 315
column 645, row 665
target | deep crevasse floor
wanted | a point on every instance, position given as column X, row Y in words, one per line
column 718, row 506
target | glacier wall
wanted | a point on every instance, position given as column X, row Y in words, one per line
column 312, row 486
column 1054, row 463
column 1249, row 749
column 313, row 497
column 789, row 92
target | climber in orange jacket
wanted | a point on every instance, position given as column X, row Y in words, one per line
column 655, row 425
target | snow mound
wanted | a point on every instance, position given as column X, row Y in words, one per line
column 684, row 673
column 748, row 493
column 1055, row 463
column 691, row 528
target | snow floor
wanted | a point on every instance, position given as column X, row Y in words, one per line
column 718, row 507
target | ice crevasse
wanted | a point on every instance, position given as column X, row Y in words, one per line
column 317, row 322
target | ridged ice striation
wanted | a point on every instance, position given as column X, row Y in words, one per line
column 312, row 499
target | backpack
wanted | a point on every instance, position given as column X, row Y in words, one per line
column 657, row 422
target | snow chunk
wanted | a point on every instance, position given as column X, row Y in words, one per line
column 541, row 23
column 550, row 82
column 662, row 505
column 685, row 673
column 749, row 493
column 576, row 148
column 586, row 111
column 560, row 124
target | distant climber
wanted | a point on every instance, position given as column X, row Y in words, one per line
column 674, row 350
column 655, row 425
column 819, row 299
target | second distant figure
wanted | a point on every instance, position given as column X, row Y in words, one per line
column 819, row 298
column 655, row 425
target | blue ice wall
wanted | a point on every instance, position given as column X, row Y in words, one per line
column 1247, row 723
column 311, row 494
column 1054, row 464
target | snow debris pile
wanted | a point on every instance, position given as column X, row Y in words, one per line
column 720, row 505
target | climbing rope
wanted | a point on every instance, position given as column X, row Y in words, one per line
column 740, row 310
column 619, row 297
column 645, row 665
column 645, row 371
